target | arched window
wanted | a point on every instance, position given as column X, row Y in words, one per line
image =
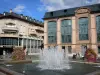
column 83, row 28
column 66, row 31
column 98, row 28
column 52, row 32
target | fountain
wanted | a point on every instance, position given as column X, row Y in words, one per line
column 53, row 59
column 53, row 62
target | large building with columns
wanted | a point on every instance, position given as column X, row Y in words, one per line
column 73, row 28
column 17, row 30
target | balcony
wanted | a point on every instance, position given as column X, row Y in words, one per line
column 39, row 29
column 10, row 29
column 40, row 34
column 8, row 35
column 32, row 32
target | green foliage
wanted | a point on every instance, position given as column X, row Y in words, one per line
column 14, row 58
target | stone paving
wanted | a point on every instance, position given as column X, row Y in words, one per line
column 1, row 73
column 5, row 71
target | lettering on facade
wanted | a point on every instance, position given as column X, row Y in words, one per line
column 82, row 10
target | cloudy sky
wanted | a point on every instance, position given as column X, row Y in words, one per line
column 37, row 8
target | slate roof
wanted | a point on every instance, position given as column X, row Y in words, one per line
column 21, row 17
column 70, row 12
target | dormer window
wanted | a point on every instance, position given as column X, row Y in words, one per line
column 21, row 15
column 10, row 24
column 34, row 20
column 4, row 14
column 26, row 17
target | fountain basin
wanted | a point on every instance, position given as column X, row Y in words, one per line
column 31, row 68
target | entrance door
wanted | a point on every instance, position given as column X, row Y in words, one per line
column 98, row 49
column 8, row 50
column 1, row 51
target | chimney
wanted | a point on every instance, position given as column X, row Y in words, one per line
column 10, row 10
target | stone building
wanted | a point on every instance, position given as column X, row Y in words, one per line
column 19, row 30
column 73, row 28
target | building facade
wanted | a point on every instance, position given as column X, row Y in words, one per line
column 73, row 29
column 17, row 30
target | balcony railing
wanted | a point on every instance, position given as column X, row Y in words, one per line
column 10, row 29
column 40, row 28
column 39, row 34
column 32, row 32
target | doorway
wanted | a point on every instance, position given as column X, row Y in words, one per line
column 1, row 51
column 98, row 49
column 8, row 50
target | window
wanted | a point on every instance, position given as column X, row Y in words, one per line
column 98, row 28
column 8, row 41
column 52, row 32
column 10, row 24
column 66, row 31
column 83, row 29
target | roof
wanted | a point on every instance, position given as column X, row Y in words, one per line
column 71, row 11
column 21, row 17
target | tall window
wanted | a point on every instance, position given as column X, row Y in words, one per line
column 83, row 29
column 66, row 31
column 98, row 28
column 52, row 32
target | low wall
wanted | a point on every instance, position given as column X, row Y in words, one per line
column 9, row 72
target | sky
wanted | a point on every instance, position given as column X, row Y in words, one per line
column 37, row 8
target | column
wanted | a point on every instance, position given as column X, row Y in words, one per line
column 40, row 45
column 45, row 34
column 93, row 33
column 37, row 45
column 27, row 45
column 30, row 46
column 34, row 45
column 59, row 34
column 18, row 40
column 74, row 35
column 22, row 42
